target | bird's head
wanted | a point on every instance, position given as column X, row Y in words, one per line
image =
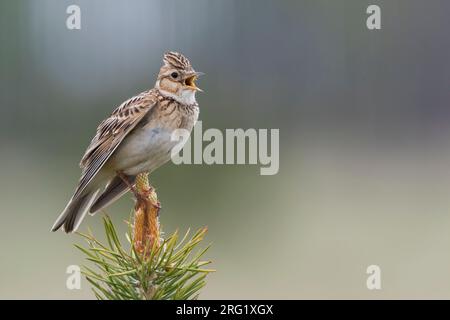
column 176, row 78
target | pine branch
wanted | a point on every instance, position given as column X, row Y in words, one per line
column 147, row 267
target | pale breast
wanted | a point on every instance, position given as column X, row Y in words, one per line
column 150, row 144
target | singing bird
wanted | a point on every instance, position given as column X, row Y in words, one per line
column 136, row 138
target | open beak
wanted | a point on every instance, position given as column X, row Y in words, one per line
column 190, row 81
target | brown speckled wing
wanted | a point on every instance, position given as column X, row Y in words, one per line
column 111, row 132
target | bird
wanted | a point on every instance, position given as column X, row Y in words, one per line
column 135, row 138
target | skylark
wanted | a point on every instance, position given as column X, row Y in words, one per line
column 136, row 138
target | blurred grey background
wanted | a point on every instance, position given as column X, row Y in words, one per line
column 364, row 140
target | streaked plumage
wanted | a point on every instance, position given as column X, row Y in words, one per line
column 135, row 138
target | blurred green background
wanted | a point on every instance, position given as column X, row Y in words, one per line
column 364, row 140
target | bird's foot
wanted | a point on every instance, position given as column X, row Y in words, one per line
column 149, row 196
column 143, row 197
column 129, row 184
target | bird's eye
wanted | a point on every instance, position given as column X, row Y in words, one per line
column 174, row 75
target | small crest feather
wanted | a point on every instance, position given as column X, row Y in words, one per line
column 177, row 60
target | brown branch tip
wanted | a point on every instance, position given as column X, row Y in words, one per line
column 146, row 228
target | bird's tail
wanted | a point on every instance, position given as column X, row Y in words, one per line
column 70, row 219
column 113, row 191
